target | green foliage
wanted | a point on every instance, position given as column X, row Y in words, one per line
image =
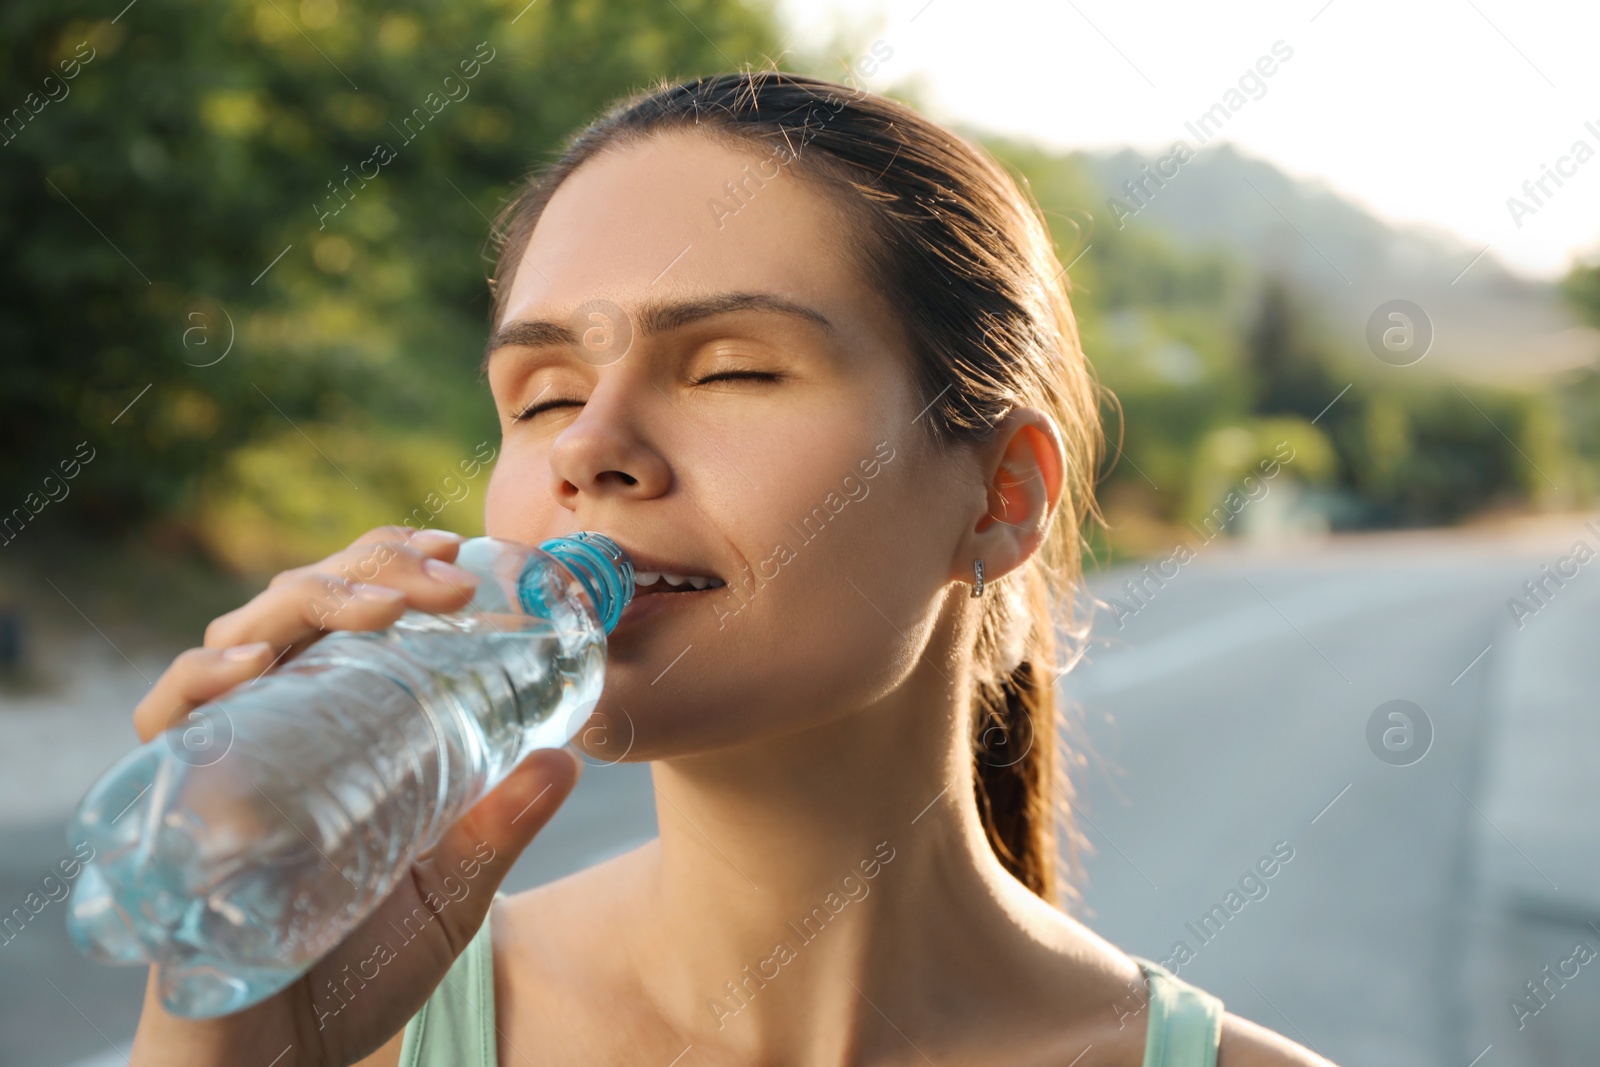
column 1212, row 361
column 1581, row 287
column 1430, row 453
column 247, row 242
column 144, row 213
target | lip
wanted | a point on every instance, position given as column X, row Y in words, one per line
column 648, row 605
column 643, row 561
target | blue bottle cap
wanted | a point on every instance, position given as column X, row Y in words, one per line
column 599, row 564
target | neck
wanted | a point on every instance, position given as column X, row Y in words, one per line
column 850, row 851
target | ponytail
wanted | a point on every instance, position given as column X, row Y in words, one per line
column 1012, row 768
column 1016, row 727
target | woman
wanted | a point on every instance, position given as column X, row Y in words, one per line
column 809, row 358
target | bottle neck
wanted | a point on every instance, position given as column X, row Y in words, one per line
column 601, row 567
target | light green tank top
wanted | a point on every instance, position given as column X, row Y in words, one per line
column 456, row 1028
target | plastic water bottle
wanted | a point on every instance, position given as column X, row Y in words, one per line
column 241, row 847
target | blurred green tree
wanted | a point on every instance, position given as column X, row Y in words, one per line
column 1204, row 352
column 248, row 221
column 1581, row 287
column 1285, row 357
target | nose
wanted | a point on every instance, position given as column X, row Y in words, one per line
column 602, row 455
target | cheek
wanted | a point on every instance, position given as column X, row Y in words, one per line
column 517, row 503
column 833, row 624
column 803, row 650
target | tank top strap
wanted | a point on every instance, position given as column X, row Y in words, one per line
column 456, row 1025
column 1185, row 1021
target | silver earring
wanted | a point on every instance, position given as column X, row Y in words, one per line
column 977, row 569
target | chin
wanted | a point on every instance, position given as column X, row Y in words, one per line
column 637, row 721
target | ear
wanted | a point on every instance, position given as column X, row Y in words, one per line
column 1024, row 470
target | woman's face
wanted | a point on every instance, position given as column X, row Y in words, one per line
column 709, row 380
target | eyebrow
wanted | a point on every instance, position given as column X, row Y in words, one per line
column 651, row 319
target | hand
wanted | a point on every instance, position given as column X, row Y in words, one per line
column 443, row 900
column 364, row 587
column 306, row 1024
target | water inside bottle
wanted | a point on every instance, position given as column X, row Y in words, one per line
column 298, row 840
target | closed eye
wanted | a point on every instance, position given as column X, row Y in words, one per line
column 738, row 375
column 535, row 409
column 540, row 407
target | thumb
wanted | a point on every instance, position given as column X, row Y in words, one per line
column 484, row 843
column 454, row 884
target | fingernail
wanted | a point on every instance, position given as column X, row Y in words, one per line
column 251, row 651
column 447, row 537
column 375, row 594
column 449, row 573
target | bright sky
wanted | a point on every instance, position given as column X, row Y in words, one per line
column 1426, row 111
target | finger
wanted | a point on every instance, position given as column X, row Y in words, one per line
column 430, row 582
column 298, row 611
column 375, row 546
column 393, row 563
column 420, row 569
column 196, row 677
column 488, row 839
column 441, row 544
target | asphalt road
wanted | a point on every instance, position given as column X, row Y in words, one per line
column 1230, row 714
column 1226, row 727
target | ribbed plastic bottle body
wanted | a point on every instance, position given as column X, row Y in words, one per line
column 238, row 869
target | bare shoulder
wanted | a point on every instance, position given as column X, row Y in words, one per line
column 566, row 906
column 1246, row 1044
column 543, row 951
column 558, row 946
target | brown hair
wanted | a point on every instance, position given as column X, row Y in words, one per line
column 964, row 255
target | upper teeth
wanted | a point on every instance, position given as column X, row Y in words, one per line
column 644, row 578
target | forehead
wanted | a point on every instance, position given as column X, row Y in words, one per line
column 681, row 214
